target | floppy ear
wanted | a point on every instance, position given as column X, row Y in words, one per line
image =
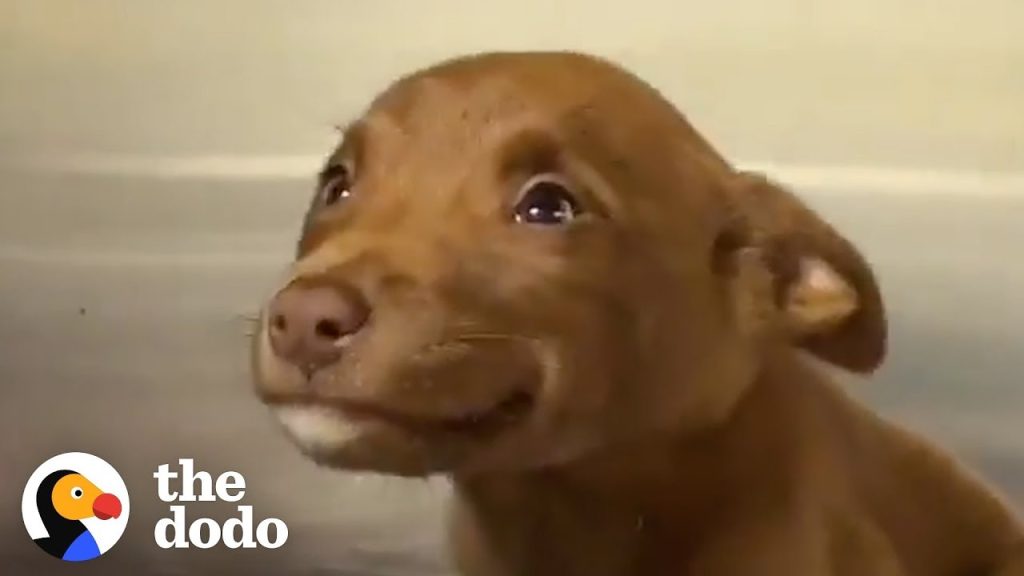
column 822, row 289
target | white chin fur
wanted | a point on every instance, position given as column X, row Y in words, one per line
column 316, row 428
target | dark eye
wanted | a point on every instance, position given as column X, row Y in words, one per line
column 77, row 493
column 546, row 201
column 337, row 186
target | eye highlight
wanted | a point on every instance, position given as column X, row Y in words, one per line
column 336, row 187
column 545, row 200
column 77, row 493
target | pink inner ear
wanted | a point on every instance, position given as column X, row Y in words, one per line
column 818, row 299
column 820, row 277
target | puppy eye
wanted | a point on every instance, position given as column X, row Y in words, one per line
column 76, row 492
column 546, row 201
column 337, row 186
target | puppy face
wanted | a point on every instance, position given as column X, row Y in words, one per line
column 512, row 260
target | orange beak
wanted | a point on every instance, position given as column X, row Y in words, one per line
column 106, row 506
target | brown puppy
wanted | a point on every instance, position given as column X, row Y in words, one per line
column 528, row 272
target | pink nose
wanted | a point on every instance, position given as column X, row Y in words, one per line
column 308, row 323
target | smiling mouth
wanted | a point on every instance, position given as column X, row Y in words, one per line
column 481, row 424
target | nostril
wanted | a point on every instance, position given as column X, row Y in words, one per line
column 309, row 323
column 329, row 329
column 279, row 323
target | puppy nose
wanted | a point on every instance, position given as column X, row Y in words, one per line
column 308, row 324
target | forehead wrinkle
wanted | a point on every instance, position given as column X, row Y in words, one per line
column 445, row 126
column 469, row 102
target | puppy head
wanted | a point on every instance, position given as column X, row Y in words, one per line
column 512, row 260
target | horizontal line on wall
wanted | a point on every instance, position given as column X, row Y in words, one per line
column 231, row 259
column 217, row 167
column 815, row 178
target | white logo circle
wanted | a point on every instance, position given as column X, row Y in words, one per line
column 75, row 506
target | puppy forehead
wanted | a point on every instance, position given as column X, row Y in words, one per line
column 434, row 114
column 475, row 99
column 478, row 88
column 437, row 126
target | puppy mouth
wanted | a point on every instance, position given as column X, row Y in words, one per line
column 430, row 411
column 506, row 412
column 478, row 424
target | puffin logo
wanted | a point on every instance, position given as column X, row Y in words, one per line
column 75, row 506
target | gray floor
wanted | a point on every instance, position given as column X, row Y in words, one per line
column 123, row 333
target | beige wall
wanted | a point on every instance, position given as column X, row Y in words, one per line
column 122, row 300
column 909, row 83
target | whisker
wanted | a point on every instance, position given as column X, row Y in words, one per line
column 471, row 336
column 468, row 330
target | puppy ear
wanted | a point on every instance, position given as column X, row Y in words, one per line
column 824, row 291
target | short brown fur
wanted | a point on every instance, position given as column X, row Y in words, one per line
column 668, row 418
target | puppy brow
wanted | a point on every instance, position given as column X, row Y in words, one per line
column 530, row 152
column 349, row 152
